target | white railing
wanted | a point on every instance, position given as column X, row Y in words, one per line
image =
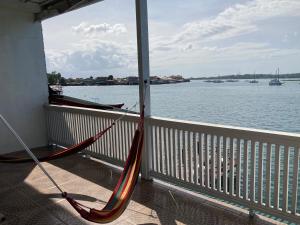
column 255, row 168
column 70, row 125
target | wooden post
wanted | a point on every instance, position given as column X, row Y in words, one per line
column 144, row 80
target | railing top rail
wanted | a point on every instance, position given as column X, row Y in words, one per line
column 229, row 131
column 94, row 112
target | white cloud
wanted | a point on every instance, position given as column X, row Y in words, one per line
column 96, row 29
column 234, row 21
column 92, row 56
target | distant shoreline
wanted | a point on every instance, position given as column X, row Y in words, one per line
column 251, row 76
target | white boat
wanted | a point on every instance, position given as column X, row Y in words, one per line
column 276, row 81
column 254, row 81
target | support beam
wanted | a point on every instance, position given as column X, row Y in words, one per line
column 144, row 79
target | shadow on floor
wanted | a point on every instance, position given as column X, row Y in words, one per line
column 27, row 196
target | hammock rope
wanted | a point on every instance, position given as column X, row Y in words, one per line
column 68, row 151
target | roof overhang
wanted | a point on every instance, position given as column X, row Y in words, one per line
column 50, row 8
column 44, row 9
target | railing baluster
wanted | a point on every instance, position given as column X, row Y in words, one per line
column 169, row 153
column 201, row 174
column 225, row 162
column 277, row 177
column 205, row 143
column 260, row 173
column 180, row 154
column 161, row 151
column 190, row 155
column 238, row 169
column 295, row 181
column 156, row 128
column 174, row 153
column 245, row 171
column 128, row 137
column 268, row 175
column 232, row 162
column 178, row 161
column 253, row 167
column 166, row 157
column 213, row 161
column 184, row 155
column 195, row 159
column 219, row 164
column 285, row 179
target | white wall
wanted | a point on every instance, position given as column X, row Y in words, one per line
column 23, row 83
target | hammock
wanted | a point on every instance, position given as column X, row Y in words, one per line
column 55, row 155
column 125, row 186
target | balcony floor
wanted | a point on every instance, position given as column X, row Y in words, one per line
column 27, row 197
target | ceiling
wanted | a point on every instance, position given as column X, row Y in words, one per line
column 50, row 8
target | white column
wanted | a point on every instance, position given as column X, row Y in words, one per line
column 144, row 79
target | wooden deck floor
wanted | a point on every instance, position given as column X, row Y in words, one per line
column 28, row 198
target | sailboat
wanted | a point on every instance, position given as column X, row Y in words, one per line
column 254, row 81
column 276, row 81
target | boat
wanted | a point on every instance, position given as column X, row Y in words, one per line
column 57, row 98
column 254, row 81
column 276, row 81
column 217, row 81
column 232, row 80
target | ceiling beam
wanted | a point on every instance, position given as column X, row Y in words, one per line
column 57, row 7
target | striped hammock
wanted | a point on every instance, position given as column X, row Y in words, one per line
column 58, row 154
column 124, row 188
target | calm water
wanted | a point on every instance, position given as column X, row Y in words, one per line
column 239, row 104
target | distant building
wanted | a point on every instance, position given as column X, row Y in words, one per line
column 132, row 80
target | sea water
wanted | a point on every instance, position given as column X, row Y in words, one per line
column 238, row 104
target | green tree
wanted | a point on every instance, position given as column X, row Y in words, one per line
column 110, row 77
column 53, row 78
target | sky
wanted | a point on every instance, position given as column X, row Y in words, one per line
column 192, row 38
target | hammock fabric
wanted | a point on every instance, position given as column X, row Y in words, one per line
column 125, row 186
column 66, row 152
